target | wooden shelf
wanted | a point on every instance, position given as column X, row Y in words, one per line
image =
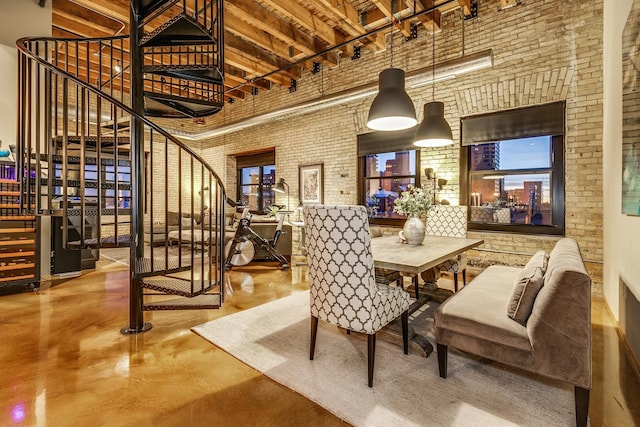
column 16, row 278
column 17, row 242
column 17, row 266
column 18, row 250
column 14, row 206
column 17, row 218
column 17, row 254
column 18, row 230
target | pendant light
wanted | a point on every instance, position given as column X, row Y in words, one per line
column 434, row 131
column 392, row 109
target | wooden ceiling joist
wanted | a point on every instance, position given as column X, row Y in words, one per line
column 264, row 37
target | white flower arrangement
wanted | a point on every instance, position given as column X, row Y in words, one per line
column 415, row 201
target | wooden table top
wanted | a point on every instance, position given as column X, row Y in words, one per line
column 390, row 253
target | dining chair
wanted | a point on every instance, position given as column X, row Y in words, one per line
column 502, row 215
column 343, row 289
column 450, row 221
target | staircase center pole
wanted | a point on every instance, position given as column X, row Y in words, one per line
column 136, row 319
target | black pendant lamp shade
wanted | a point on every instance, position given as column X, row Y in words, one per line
column 392, row 109
column 434, row 131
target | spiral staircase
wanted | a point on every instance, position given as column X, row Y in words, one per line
column 90, row 158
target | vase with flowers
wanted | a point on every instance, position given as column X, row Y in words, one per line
column 414, row 202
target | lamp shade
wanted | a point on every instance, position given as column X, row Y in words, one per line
column 279, row 187
column 434, row 131
column 392, row 109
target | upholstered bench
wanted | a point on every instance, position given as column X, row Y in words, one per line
column 537, row 318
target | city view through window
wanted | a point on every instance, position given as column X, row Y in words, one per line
column 386, row 176
column 256, row 187
column 510, row 182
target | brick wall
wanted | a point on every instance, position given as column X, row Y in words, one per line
column 544, row 51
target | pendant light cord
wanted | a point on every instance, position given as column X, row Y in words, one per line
column 393, row 27
column 433, row 57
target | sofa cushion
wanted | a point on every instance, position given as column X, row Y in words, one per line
column 524, row 292
column 477, row 310
column 173, row 218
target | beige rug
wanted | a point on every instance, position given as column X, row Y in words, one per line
column 407, row 391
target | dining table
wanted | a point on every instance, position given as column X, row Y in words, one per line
column 391, row 253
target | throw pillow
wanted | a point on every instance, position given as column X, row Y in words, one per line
column 523, row 295
column 538, row 260
column 185, row 223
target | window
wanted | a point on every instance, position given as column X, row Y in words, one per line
column 515, row 184
column 388, row 165
column 256, row 176
column 386, row 176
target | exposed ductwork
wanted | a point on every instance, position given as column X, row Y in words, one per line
column 421, row 77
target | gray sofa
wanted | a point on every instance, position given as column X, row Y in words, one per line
column 157, row 232
column 555, row 339
column 162, row 227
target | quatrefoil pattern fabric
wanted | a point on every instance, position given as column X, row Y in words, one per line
column 341, row 276
column 451, row 221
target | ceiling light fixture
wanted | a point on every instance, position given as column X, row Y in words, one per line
column 392, row 109
column 434, row 131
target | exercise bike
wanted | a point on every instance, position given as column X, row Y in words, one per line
column 242, row 248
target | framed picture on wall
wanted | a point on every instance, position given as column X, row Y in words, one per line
column 311, row 185
column 631, row 115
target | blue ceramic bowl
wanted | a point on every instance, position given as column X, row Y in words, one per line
column 4, row 153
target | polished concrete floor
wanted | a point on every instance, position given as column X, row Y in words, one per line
column 63, row 361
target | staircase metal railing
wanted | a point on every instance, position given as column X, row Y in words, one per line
column 73, row 151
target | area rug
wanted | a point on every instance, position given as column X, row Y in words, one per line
column 407, row 391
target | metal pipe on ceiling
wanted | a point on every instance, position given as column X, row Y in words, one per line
column 417, row 78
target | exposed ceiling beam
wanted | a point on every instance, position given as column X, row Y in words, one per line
column 270, row 23
column 385, row 6
column 342, row 10
column 309, row 21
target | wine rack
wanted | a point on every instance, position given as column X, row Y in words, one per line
column 19, row 246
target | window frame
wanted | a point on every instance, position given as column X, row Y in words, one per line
column 259, row 160
column 362, row 179
column 557, row 187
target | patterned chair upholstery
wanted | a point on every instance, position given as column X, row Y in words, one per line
column 451, row 221
column 482, row 214
column 342, row 282
column 502, row 216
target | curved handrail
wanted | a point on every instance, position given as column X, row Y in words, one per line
column 21, row 44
